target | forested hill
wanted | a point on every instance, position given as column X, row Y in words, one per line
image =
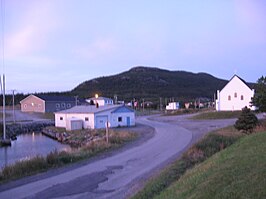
column 151, row 84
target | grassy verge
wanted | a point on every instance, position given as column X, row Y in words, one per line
column 237, row 172
column 147, row 112
column 208, row 146
column 197, row 154
column 187, row 111
column 57, row 159
column 217, row 115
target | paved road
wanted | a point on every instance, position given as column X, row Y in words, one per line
column 112, row 177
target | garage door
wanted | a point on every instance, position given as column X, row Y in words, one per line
column 101, row 121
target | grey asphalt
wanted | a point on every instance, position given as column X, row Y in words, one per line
column 114, row 176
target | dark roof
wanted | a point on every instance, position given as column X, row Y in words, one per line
column 54, row 98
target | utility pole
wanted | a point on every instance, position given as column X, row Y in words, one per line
column 143, row 104
column 13, row 100
column 214, row 100
column 160, row 104
column 115, row 98
column 76, row 99
column 4, row 107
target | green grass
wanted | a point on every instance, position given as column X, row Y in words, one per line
column 181, row 112
column 217, row 115
column 237, row 172
column 205, row 148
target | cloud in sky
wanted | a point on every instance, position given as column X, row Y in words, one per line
column 29, row 34
column 62, row 43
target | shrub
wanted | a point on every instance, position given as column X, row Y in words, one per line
column 247, row 121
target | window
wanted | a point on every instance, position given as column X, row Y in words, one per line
column 39, row 106
column 86, row 119
column 68, row 105
column 61, row 118
column 119, row 119
column 229, row 97
column 57, row 105
column 63, row 105
column 242, row 97
column 25, row 105
column 235, row 95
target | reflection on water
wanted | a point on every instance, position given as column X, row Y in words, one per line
column 27, row 146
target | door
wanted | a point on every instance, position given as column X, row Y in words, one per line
column 101, row 121
column 128, row 121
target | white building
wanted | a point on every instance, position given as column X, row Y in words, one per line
column 95, row 118
column 102, row 101
column 172, row 106
column 234, row 96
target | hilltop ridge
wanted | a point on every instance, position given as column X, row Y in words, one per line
column 151, row 83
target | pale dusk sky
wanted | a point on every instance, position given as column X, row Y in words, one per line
column 53, row 45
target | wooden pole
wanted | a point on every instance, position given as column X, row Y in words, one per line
column 107, row 131
column 4, row 109
column 13, row 100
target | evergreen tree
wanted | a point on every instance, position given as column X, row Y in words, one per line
column 259, row 99
column 247, row 121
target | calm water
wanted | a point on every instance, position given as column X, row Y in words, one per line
column 28, row 146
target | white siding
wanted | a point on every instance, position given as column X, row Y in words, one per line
column 234, row 96
column 86, row 124
column 60, row 122
column 172, row 106
column 99, row 119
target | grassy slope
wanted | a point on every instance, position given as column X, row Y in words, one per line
column 237, row 172
column 217, row 115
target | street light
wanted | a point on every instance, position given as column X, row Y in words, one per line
column 96, row 103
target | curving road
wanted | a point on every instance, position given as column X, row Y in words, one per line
column 114, row 176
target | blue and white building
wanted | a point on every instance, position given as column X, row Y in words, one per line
column 91, row 117
column 101, row 101
column 172, row 106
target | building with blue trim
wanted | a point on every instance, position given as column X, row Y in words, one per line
column 93, row 117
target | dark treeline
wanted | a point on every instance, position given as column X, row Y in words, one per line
column 20, row 96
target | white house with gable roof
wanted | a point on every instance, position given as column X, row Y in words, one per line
column 234, row 96
column 91, row 117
